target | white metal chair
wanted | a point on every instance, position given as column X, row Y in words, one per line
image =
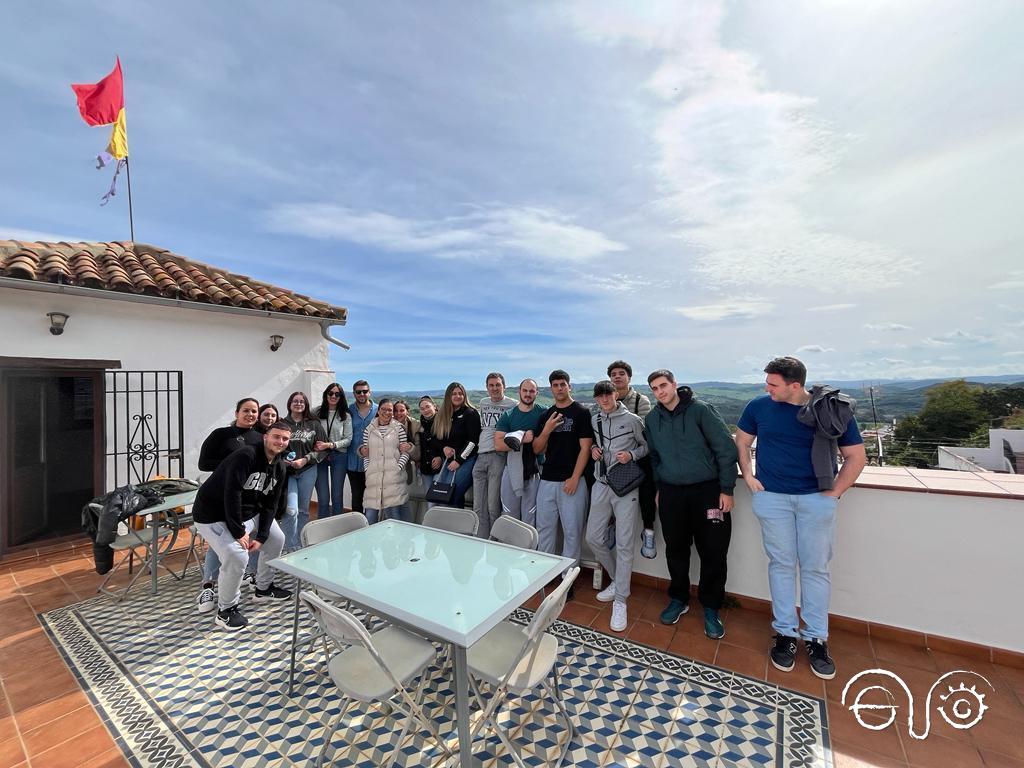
column 509, row 530
column 375, row 669
column 452, row 519
column 315, row 532
column 514, row 659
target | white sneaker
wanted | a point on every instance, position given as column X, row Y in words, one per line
column 207, row 600
column 618, row 622
column 607, row 594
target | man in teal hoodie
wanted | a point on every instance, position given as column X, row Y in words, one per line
column 694, row 461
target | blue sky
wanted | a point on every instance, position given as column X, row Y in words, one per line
column 523, row 186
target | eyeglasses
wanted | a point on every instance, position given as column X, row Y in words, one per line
column 334, row 394
column 361, row 391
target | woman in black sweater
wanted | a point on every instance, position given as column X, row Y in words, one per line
column 457, row 429
column 225, row 440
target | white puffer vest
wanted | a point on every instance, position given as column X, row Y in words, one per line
column 385, row 475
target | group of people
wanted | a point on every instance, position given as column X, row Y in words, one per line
column 601, row 476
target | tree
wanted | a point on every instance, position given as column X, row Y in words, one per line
column 951, row 413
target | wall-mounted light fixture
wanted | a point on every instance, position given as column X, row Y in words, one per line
column 275, row 342
column 57, row 322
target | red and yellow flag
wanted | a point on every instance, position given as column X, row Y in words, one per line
column 102, row 103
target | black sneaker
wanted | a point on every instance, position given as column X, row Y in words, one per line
column 230, row 619
column 821, row 663
column 271, row 593
column 249, row 577
column 783, row 653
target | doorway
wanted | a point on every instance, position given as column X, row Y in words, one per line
column 51, row 459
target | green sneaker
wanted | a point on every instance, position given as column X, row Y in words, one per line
column 713, row 626
column 675, row 609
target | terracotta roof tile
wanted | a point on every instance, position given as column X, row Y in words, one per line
column 145, row 269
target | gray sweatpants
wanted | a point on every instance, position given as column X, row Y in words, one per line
column 618, row 563
column 520, row 507
column 233, row 558
column 554, row 505
column 487, row 490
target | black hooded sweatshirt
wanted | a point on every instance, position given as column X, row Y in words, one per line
column 243, row 486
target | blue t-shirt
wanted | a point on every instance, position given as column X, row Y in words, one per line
column 784, row 445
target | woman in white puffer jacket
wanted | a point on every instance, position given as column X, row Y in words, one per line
column 385, row 451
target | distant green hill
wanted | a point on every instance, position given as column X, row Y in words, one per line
column 894, row 399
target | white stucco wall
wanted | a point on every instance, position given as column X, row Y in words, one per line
column 223, row 357
column 936, row 563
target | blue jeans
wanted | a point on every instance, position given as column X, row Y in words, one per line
column 797, row 530
column 300, row 493
column 463, row 481
column 400, row 512
column 330, row 484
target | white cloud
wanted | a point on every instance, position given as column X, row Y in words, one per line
column 886, row 327
column 1016, row 353
column 895, row 361
column 815, row 348
column 736, row 160
column 955, row 337
column 31, row 235
column 1014, row 281
column 489, row 230
column 831, row 308
column 728, row 310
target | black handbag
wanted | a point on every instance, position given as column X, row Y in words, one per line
column 623, row 479
column 441, row 491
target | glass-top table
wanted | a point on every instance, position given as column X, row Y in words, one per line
column 452, row 587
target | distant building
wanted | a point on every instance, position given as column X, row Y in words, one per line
column 1005, row 453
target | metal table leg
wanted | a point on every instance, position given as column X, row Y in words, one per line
column 295, row 638
column 462, row 706
column 153, row 561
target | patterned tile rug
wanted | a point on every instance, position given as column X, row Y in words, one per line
column 175, row 691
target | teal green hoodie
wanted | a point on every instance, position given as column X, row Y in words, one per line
column 691, row 444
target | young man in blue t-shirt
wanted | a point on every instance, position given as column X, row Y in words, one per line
column 796, row 508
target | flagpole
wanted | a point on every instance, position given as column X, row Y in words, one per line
column 131, row 218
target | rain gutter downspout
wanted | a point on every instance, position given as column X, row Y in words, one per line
column 325, row 325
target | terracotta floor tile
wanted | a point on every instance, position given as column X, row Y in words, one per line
column 747, row 634
column 8, row 727
column 903, row 653
column 937, row 752
column 47, row 711
column 11, row 752
column 998, row 760
column 741, row 660
column 51, row 599
column 112, row 758
column 655, row 635
column 697, row 647
column 846, row 755
column 86, row 746
column 60, row 730
column 29, row 689
column 653, row 607
column 1012, row 675
column 844, row 728
column 841, row 641
column 579, row 613
column 35, row 575
column 847, row 665
column 999, row 733
column 800, row 679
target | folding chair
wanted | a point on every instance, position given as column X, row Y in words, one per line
column 452, row 519
column 315, row 532
column 513, row 659
column 509, row 530
column 375, row 669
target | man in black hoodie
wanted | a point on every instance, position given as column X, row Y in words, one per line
column 235, row 511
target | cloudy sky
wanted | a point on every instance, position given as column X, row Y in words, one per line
column 522, row 186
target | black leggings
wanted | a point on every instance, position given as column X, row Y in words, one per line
column 357, row 484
